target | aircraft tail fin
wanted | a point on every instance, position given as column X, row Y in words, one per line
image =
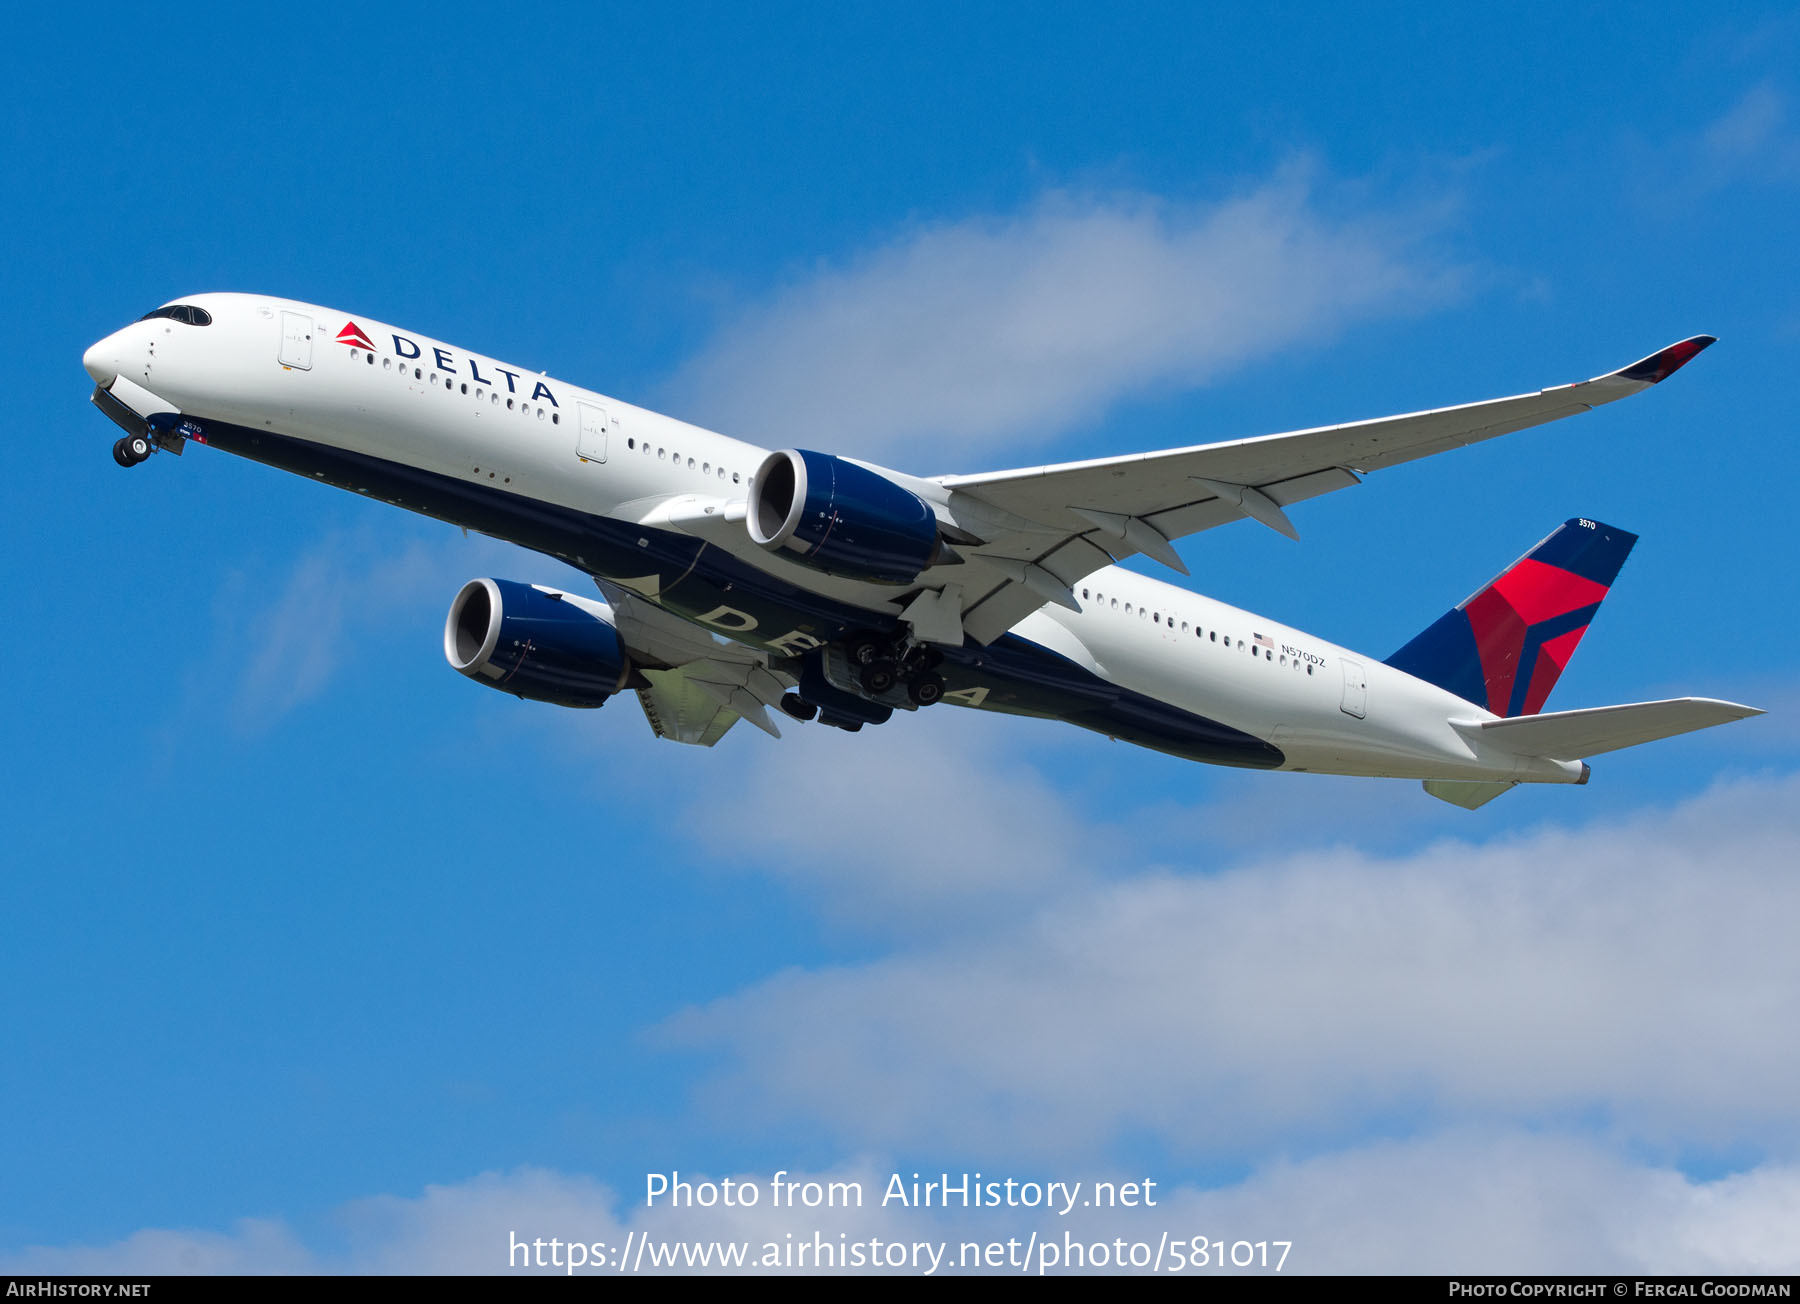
column 1504, row 647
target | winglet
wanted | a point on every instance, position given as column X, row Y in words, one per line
column 1659, row 366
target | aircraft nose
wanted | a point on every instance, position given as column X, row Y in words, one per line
column 101, row 361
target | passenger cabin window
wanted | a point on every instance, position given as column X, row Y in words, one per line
column 185, row 313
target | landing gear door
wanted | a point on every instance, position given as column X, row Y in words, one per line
column 1356, row 690
column 296, row 341
column 590, row 441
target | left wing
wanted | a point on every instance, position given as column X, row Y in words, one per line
column 1044, row 528
column 700, row 685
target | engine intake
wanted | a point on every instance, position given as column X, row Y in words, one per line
column 841, row 518
column 538, row 643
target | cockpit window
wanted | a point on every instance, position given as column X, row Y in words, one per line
column 181, row 312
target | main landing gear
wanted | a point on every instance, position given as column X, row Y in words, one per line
column 864, row 679
column 881, row 663
column 133, row 449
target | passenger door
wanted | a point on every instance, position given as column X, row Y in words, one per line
column 590, row 440
column 1356, row 694
column 296, row 341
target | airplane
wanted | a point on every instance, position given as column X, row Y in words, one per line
column 735, row 581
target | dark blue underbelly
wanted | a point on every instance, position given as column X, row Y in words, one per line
column 696, row 579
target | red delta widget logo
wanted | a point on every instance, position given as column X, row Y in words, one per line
column 353, row 334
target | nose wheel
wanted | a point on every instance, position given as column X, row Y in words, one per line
column 132, row 449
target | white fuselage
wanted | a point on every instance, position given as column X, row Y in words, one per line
column 281, row 366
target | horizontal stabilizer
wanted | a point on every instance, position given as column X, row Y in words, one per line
column 1470, row 795
column 1576, row 735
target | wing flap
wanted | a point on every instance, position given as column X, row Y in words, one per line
column 682, row 711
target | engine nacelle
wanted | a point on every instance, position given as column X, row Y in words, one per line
column 841, row 518
column 534, row 642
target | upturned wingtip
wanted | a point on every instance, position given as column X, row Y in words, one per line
column 1662, row 364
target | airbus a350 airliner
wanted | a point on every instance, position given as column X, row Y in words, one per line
column 736, row 579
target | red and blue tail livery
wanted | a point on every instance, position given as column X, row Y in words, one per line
column 1505, row 647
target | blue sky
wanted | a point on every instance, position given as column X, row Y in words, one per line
column 314, row 955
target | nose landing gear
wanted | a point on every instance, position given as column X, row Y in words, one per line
column 132, row 449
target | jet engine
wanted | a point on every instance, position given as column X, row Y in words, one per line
column 841, row 518
column 536, row 642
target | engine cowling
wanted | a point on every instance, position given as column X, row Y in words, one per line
column 534, row 642
column 841, row 518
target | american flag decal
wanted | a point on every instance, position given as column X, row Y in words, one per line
column 1263, row 640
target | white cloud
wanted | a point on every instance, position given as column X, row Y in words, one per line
column 957, row 339
column 931, row 820
column 1641, row 972
column 1509, row 1202
column 1497, row 1202
column 348, row 585
column 253, row 1245
column 1753, row 140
